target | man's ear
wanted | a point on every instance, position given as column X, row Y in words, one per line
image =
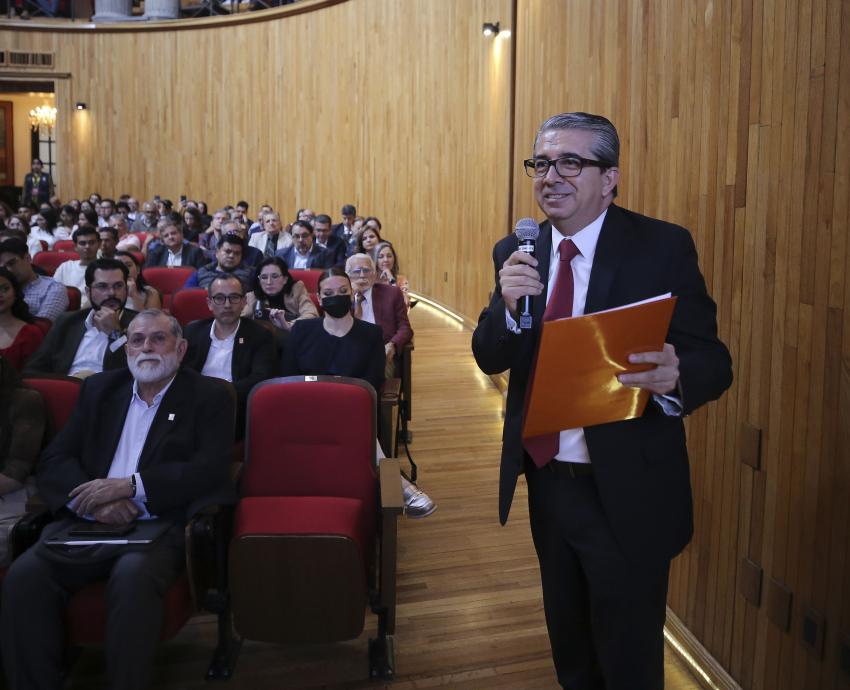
column 182, row 346
column 610, row 178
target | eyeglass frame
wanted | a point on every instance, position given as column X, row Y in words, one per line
column 220, row 299
column 529, row 165
column 361, row 271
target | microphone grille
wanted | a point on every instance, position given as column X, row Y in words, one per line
column 527, row 229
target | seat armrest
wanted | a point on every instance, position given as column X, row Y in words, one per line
column 26, row 531
column 389, row 475
column 206, row 534
column 387, row 421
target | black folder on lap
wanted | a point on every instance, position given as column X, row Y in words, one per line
column 142, row 532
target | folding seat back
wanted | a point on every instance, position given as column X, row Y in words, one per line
column 63, row 246
column 60, row 395
column 308, row 276
column 306, row 527
column 190, row 304
column 167, row 280
column 75, row 298
column 49, row 261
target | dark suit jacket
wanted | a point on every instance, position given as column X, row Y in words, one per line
column 640, row 466
column 193, row 256
column 350, row 243
column 318, row 257
column 336, row 251
column 391, row 315
column 41, row 193
column 254, row 356
column 57, row 351
column 185, row 456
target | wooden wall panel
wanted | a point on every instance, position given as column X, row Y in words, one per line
column 402, row 108
column 733, row 118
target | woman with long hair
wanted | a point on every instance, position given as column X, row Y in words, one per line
column 193, row 226
column 140, row 295
column 370, row 235
column 19, row 336
column 277, row 297
column 386, row 264
column 45, row 228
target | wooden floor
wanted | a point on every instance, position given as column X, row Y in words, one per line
column 469, row 605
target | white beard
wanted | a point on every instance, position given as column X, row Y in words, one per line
column 153, row 367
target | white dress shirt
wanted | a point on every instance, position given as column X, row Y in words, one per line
column 220, row 357
column 300, row 259
column 368, row 311
column 91, row 349
column 174, row 259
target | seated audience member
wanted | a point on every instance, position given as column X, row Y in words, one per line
column 305, row 214
column 206, row 218
column 369, row 236
column 241, row 213
column 257, row 225
column 193, row 226
column 15, row 227
column 208, row 241
column 173, row 250
column 87, row 219
column 140, row 295
column 250, row 255
column 345, row 229
column 102, row 466
column 108, row 242
column 386, row 265
column 133, row 206
column 45, row 298
column 89, row 340
column 304, row 253
column 379, row 304
column 105, row 209
column 273, row 238
column 19, row 336
column 228, row 261
column 146, row 220
column 340, row 345
column 67, row 215
column 126, row 241
column 73, row 272
column 230, row 347
column 22, row 421
column 45, row 228
column 334, row 246
column 277, row 297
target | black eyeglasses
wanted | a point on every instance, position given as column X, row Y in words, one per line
column 233, row 298
column 565, row 166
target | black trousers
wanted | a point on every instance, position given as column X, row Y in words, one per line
column 36, row 591
column 605, row 614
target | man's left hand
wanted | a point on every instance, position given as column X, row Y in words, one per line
column 97, row 492
column 106, row 320
column 660, row 380
column 389, row 350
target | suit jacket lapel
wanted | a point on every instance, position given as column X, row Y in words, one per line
column 543, row 253
column 240, row 351
column 73, row 338
column 611, row 248
column 173, row 405
column 118, row 403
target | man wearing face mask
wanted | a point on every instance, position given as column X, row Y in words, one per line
column 89, row 340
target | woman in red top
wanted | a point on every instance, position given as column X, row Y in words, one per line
column 19, row 336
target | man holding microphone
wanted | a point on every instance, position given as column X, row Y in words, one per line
column 610, row 505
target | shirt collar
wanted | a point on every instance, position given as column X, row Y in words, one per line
column 229, row 339
column 585, row 239
column 90, row 320
column 157, row 399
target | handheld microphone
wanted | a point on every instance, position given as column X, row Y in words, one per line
column 526, row 231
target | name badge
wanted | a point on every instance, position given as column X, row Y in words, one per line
column 170, row 416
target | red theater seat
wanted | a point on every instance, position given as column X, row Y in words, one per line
column 167, row 280
column 308, row 276
column 314, row 538
column 49, row 261
column 190, row 304
column 63, row 246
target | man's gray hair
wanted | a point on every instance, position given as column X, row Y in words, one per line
column 606, row 146
column 117, row 218
column 173, row 324
column 359, row 257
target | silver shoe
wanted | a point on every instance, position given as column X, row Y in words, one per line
column 417, row 504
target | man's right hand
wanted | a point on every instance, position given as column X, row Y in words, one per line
column 118, row 512
column 519, row 278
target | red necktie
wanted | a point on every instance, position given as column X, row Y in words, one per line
column 543, row 448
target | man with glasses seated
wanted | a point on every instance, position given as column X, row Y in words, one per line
column 380, row 304
column 228, row 260
column 89, row 340
column 304, row 252
column 229, row 347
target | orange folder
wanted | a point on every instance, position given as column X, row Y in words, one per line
column 575, row 381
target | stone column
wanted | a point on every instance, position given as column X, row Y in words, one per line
column 112, row 10
column 162, row 9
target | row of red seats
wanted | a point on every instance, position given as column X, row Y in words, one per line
column 322, row 514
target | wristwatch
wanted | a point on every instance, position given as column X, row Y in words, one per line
column 132, row 486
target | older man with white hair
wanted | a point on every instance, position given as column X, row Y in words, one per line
column 148, row 442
